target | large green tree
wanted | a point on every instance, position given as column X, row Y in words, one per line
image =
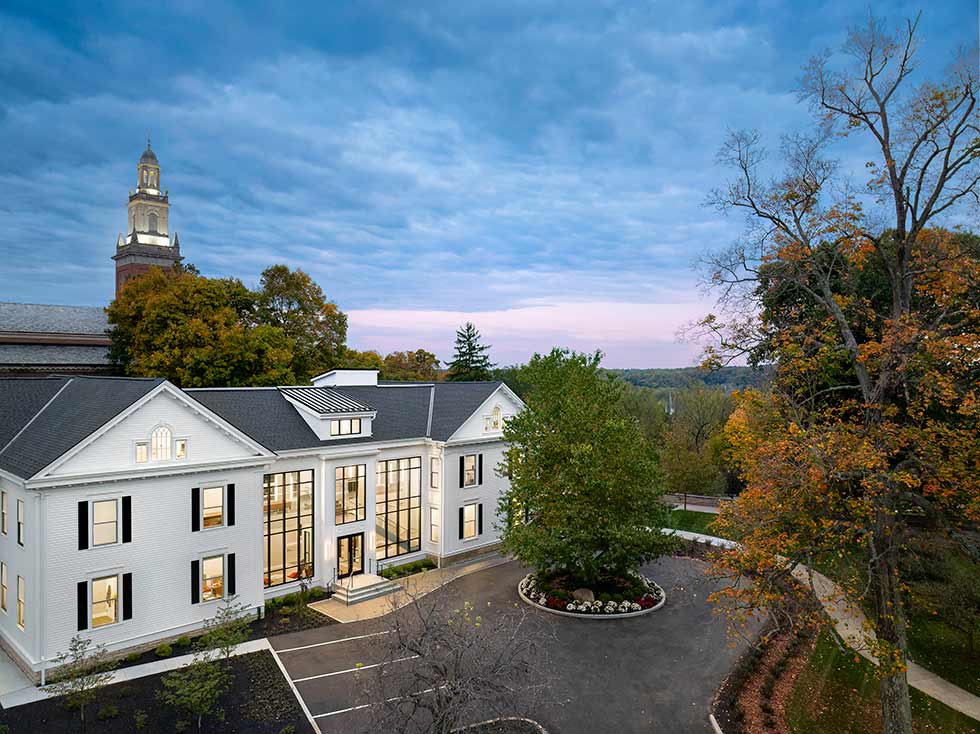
column 692, row 454
column 582, row 474
column 291, row 301
column 470, row 359
column 419, row 365
column 196, row 332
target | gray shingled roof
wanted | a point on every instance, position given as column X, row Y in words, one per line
column 47, row 318
column 70, row 355
column 83, row 405
column 402, row 412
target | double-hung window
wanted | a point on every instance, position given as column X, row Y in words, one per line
column 105, row 601
column 3, row 586
column 435, row 472
column 105, row 523
column 213, row 507
column 3, row 512
column 20, row 602
column 469, row 470
column 469, row 521
column 434, row 524
column 213, row 578
column 20, row 522
column 180, row 449
column 142, row 452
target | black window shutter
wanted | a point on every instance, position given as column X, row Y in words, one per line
column 462, row 470
column 195, row 582
column 127, row 594
column 82, row 597
column 479, row 463
column 82, row 527
column 195, row 509
column 230, row 573
column 127, row 512
column 479, row 519
column 230, row 499
column 460, row 523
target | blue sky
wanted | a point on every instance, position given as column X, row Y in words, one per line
column 536, row 167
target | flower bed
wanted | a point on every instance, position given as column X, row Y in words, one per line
column 620, row 597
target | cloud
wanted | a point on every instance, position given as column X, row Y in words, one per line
column 538, row 168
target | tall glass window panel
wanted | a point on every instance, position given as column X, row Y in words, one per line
column 3, row 586
column 350, row 490
column 213, row 578
column 105, row 601
column 213, row 502
column 398, row 507
column 20, row 602
column 288, row 524
column 104, row 522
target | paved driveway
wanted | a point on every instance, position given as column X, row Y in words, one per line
column 655, row 673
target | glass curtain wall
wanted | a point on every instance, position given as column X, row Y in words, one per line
column 398, row 507
column 288, row 523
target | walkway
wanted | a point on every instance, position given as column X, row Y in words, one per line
column 851, row 626
column 417, row 584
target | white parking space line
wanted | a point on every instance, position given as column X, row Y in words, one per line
column 332, row 642
column 299, row 698
column 369, row 705
column 352, row 670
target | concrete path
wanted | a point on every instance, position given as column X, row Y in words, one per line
column 415, row 585
column 852, row 627
column 692, row 507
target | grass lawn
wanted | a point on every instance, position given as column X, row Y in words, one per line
column 836, row 694
column 691, row 521
column 944, row 651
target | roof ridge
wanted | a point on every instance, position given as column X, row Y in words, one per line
column 44, row 407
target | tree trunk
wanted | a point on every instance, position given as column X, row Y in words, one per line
column 896, row 707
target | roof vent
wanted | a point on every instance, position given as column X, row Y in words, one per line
column 347, row 378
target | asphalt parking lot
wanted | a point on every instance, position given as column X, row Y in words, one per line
column 655, row 673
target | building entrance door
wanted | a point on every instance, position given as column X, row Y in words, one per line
column 350, row 555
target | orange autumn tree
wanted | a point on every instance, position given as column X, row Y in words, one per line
column 866, row 442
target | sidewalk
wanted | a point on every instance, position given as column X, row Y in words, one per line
column 851, row 626
column 417, row 584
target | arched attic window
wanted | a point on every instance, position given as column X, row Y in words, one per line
column 152, row 221
column 161, row 444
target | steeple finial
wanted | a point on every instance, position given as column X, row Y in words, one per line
column 148, row 140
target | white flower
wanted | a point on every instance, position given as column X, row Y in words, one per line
column 634, row 607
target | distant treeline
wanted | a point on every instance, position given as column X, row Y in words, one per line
column 727, row 378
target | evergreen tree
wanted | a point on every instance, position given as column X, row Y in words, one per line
column 470, row 360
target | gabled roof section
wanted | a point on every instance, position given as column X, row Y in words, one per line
column 455, row 402
column 325, row 400
column 47, row 318
column 76, row 409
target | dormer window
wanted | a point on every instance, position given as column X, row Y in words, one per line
column 345, row 426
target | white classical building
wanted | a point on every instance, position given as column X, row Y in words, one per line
column 129, row 507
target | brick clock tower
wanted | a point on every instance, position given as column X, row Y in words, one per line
column 148, row 242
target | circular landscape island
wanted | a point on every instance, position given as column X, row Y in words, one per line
column 614, row 598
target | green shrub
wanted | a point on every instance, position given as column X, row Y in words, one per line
column 133, row 657
column 164, row 651
column 287, row 729
column 107, row 712
column 184, row 641
column 139, row 719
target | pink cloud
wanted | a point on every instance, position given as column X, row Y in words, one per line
column 630, row 334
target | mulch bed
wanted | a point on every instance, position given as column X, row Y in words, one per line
column 260, row 701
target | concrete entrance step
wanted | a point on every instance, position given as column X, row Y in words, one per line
column 362, row 587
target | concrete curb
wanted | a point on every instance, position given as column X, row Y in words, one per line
column 583, row 615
